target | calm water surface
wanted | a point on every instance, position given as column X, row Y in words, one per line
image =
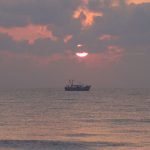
column 52, row 119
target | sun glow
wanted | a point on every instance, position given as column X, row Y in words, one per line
column 82, row 54
column 79, row 45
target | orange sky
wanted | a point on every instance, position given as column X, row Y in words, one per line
column 138, row 1
column 28, row 33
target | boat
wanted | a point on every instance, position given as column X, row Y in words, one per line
column 76, row 87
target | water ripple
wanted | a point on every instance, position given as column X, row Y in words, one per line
column 57, row 145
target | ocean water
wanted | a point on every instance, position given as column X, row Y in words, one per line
column 52, row 119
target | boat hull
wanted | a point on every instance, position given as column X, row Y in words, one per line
column 85, row 88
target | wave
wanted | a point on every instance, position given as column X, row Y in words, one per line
column 56, row 145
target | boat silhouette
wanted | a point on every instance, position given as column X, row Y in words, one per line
column 76, row 87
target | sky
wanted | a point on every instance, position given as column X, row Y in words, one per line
column 39, row 40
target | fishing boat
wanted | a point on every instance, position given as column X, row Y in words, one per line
column 76, row 87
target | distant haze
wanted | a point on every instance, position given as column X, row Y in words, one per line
column 39, row 40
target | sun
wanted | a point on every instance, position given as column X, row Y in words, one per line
column 82, row 54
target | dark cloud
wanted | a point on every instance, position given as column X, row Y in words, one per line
column 37, row 11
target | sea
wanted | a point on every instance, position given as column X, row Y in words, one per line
column 54, row 119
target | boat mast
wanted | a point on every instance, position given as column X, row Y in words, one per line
column 71, row 82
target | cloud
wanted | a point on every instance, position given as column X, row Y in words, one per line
column 107, row 37
column 137, row 1
column 86, row 15
column 67, row 38
column 28, row 33
column 115, row 3
column 111, row 55
column 86, row 2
